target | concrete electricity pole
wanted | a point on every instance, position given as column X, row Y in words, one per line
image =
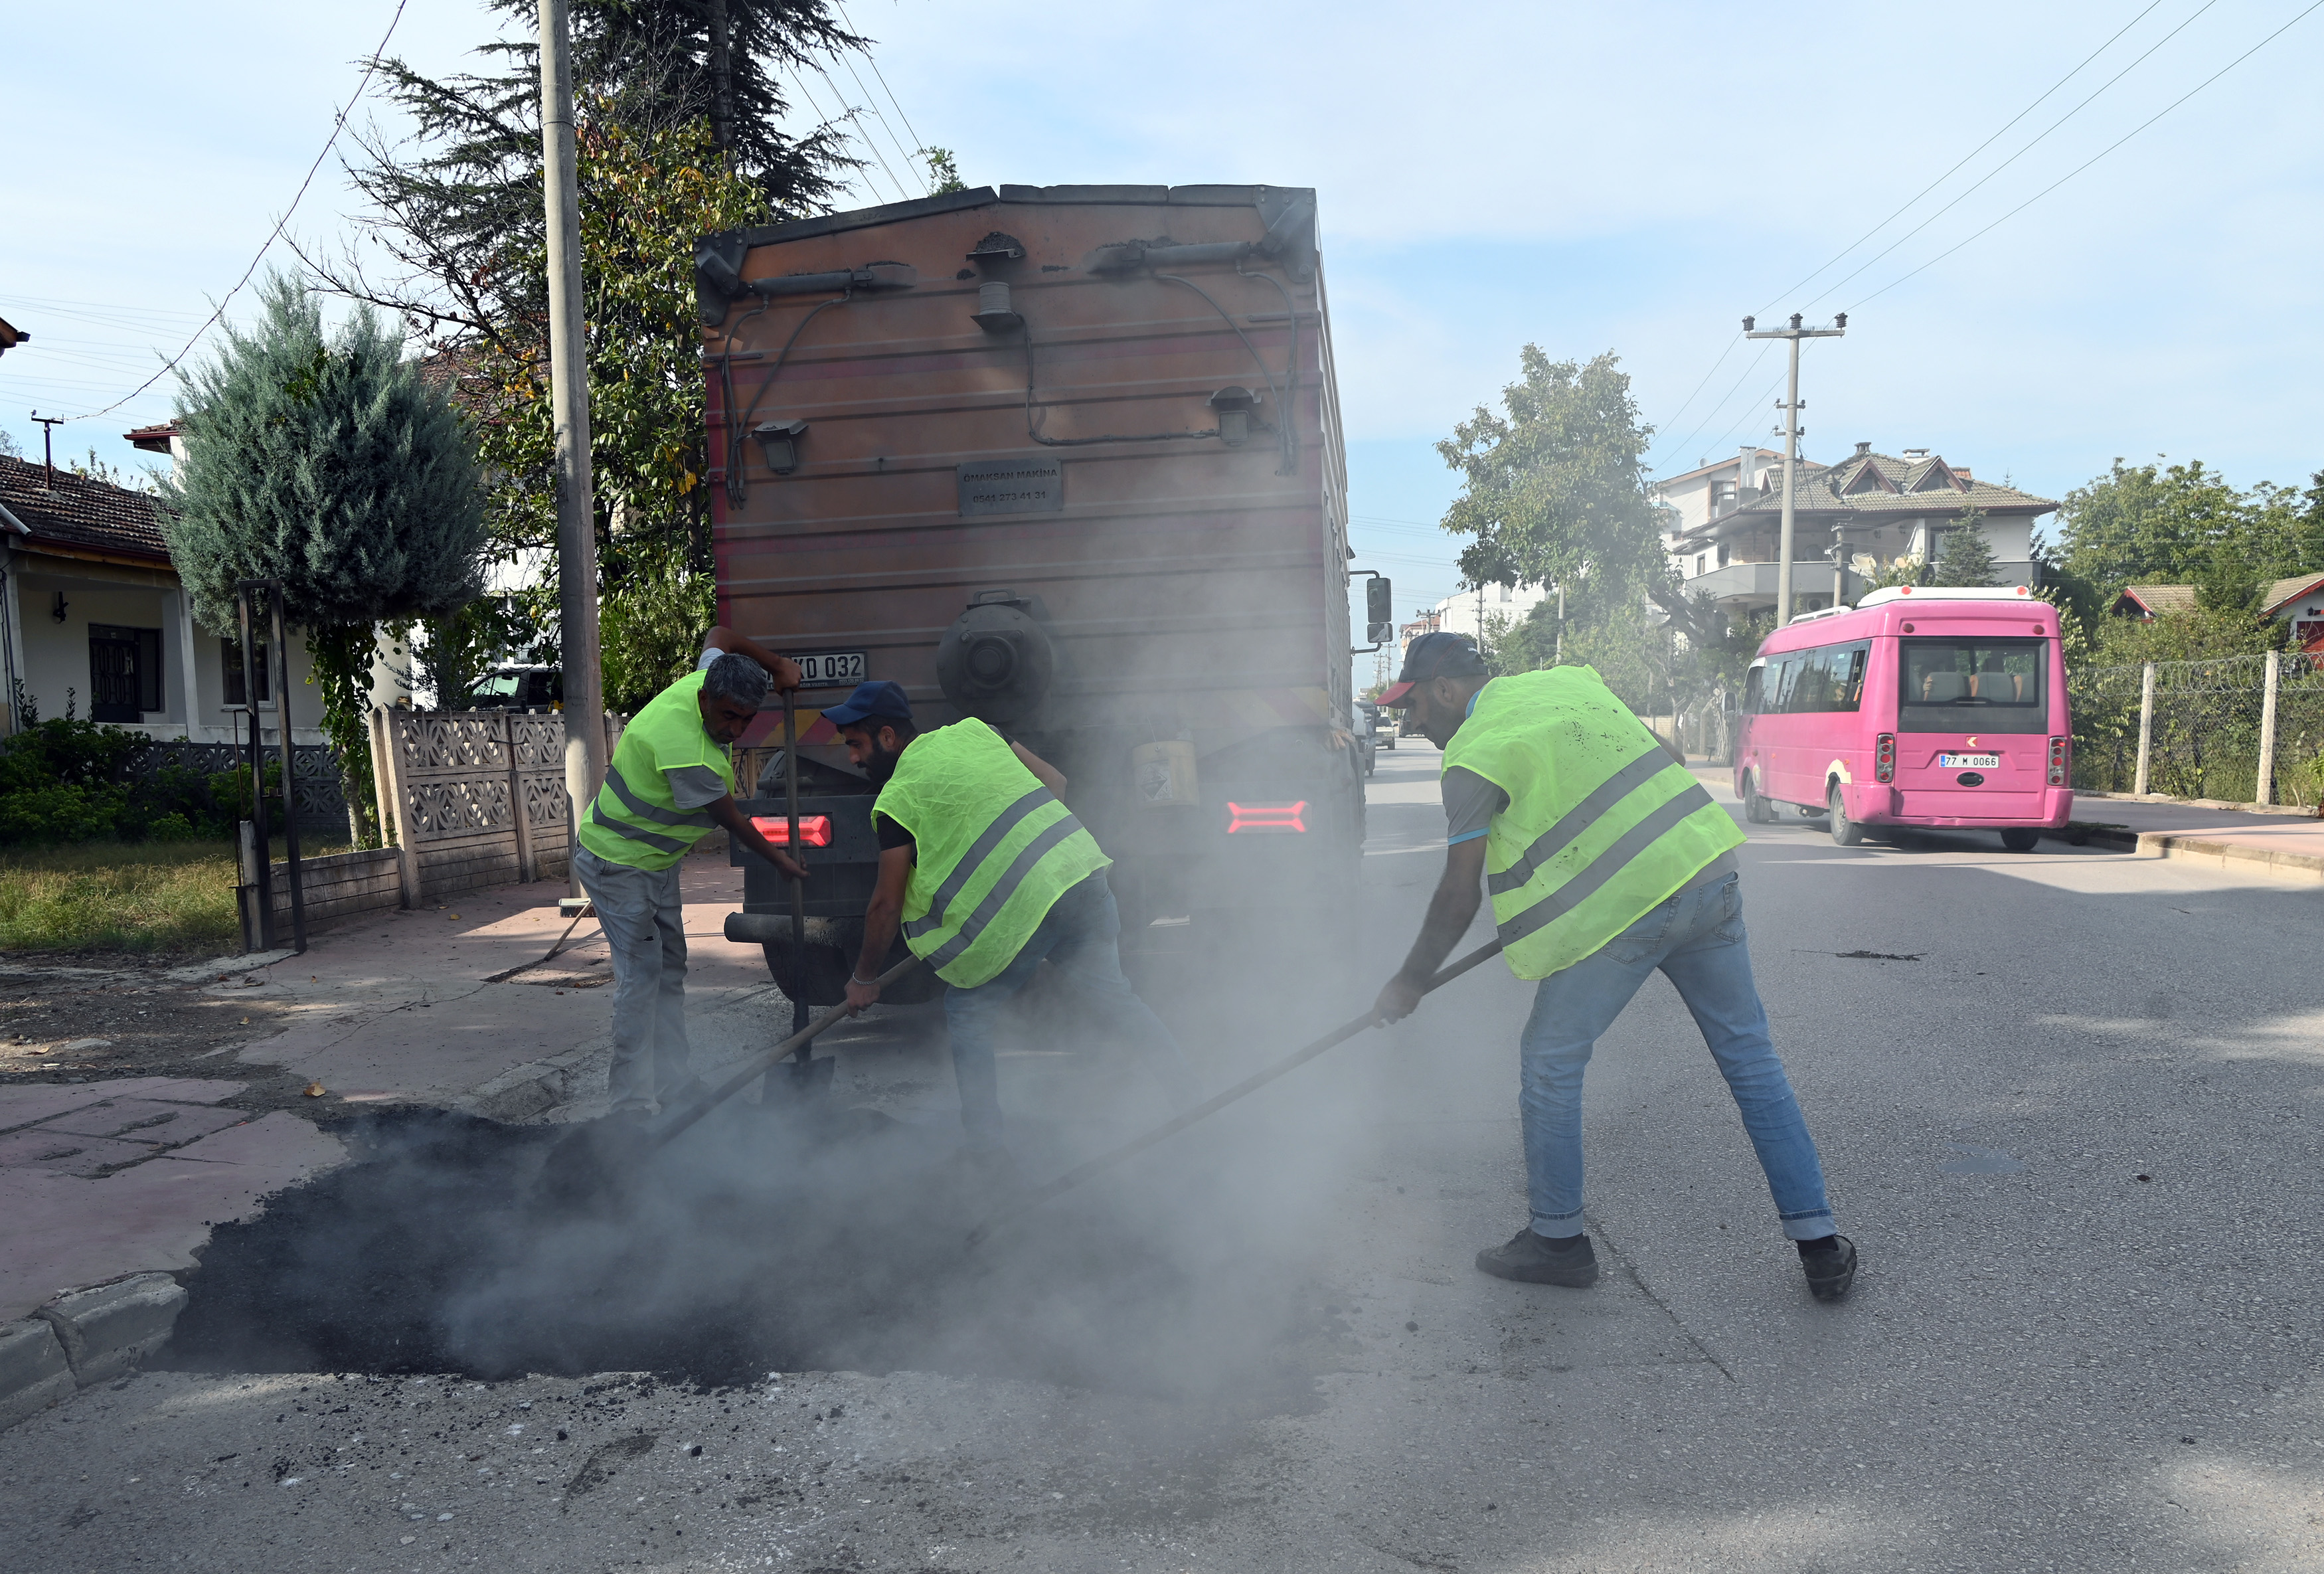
column 568, row 380
column 1791, row 431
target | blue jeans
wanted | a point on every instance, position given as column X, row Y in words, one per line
column 1081, row 939
column 1696, row 938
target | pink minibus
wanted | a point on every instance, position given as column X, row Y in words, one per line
column 1918, row 706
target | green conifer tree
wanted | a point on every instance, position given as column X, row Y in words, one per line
column 325, row 462
column 1966, row 558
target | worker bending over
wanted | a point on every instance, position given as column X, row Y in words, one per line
column 988, row 874
column 669, row 784
column 1606, row 860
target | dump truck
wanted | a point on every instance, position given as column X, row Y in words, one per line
column 1066, row 459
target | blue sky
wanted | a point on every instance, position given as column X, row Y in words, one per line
column 1584, row 178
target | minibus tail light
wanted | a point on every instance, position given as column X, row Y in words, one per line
column 1884, row 758
column 2058, row 771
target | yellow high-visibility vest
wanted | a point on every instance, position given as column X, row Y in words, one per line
column 635, row 818
column 1602, row 824
column 995, row 850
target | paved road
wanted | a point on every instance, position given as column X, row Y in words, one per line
column 2074, row 1127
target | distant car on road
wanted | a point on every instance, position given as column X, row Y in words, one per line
column 1922, row 706
column 1383, row 723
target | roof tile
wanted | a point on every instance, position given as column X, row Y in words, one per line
column 76, row 511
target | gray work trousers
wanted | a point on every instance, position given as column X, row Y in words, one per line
column 644, row 923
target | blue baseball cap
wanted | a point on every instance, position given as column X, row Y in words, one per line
column 869, row 700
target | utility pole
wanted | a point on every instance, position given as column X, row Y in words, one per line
column 576, row 537
column 1792, row 431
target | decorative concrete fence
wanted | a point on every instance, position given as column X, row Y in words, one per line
column 315, row 789
column 477, row 798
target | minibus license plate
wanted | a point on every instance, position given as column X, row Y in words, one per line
column 830, row 669
column 1969, row 762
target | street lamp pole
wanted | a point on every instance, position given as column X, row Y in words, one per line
column 1792, row 431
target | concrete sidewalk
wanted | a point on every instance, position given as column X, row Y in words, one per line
column 2289, row 844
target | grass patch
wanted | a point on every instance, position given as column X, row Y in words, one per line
column 109, row 896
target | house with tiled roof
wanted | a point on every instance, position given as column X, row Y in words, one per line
column 1869, row 508
column 2298, row 601
column 94, row 622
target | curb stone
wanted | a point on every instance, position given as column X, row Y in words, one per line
column 107, row 1330
column 34, row 1372
column 2166, row 844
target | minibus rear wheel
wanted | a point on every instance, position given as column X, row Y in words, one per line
column 1756, row 809
column 2020, row 839
column 1844, row 830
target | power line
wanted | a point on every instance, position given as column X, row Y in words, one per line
column 855, row 113
column 1932, row 186
column 338, row 126
column 877, row 114
column 2102, row 152
column 873, row 61
column 1724, row 400
column 2020, row 152
column 1980, row 148
column 798, row 80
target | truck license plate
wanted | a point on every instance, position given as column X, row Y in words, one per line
column 830, row 669
column 1969, row 761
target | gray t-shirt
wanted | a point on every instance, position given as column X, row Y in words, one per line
column 1470, row 802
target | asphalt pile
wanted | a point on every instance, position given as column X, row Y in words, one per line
column 749, row 1245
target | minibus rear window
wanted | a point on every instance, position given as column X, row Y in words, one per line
column 1974, row 685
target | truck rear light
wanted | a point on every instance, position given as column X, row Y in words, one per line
column 2058, row 771
column 814, row 829
column 1266, row 817
column 1884, row 758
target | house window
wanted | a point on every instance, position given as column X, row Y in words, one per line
column 230, row 657
column 124, row 671
column 1700, row 559
column 1722, row 554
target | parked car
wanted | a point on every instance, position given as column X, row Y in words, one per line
column 1383, row 724
column 514, row 688
column 1366, row 744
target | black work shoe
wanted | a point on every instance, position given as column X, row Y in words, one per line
column 1829, row 1265
column 1538, row 1260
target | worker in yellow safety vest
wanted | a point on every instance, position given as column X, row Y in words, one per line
column 1606, row 860
column 988, row 873
column 670, row 783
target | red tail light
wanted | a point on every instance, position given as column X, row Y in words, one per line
column 2058, row 759
column 1884, row 758
column 1266, row 817
column 814, row 829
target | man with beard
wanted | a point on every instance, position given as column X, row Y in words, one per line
column 1606, row 861
column 989, row 875
column 669, row 784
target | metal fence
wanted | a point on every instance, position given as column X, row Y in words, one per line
column 315, row 786
column 2245, row 729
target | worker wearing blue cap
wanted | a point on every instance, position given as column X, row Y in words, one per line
column 988, row 873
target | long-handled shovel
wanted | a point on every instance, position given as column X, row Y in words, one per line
column 1210, row 1106
column 574, row 1172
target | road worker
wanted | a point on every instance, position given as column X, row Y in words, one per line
column 988, row 874
column 1606, row 860
column 669, row 784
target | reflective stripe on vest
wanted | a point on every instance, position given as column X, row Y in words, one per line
column 634, row 818
column 1602, row 824
column 993, row 850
